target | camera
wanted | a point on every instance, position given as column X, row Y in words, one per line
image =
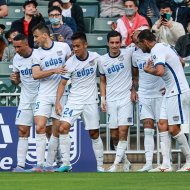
column 165, row 17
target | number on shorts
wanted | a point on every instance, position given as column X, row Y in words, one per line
column 140, row 108
column 68, row 112
column 18, row 113
column 37, row 105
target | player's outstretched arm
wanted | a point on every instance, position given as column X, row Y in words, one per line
column 103, row 92
column 37, row 73
column 60, row 90
column 15, row 78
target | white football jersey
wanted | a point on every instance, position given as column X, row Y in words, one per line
column 52, row 58
column 29, row 86
column 117, row 71
column 174, row 76
column 150, row 86
column 83, row 79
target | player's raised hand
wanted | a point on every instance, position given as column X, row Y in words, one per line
column 134, row 96
column 60, row 70
column 58, row 108
column 15, row 77
column 148, row 66
column 103, row 103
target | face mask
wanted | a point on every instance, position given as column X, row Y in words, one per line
column 55, row 21
column 168, row 16
column 129, row 12
column 178, row 1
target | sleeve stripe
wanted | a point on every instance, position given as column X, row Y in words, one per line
column 35, row 65
column 102, row 74
column 160, row 63
column 64, row 78
column 134, row 66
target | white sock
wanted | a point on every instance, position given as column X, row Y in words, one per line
column 52, row 150
column 58, row 156
column 124, row 159
column 65, row 145
column 182, row 140
column 97, row 146
column 165, row 148
column 40, row 148
column 121, row 147
column 22, row 149
column 149, row 144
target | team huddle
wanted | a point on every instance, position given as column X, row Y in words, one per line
column 62, row 86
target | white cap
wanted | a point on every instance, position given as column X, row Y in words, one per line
column 143, row 27
column 65, row 1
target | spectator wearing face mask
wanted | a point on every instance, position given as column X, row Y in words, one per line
column 128, row 23
column 58, row 31
column 167, row 30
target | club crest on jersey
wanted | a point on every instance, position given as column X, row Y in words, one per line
column 59, row 53
column 91, row 63
column 121, row 58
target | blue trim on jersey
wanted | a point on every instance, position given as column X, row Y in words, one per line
column 160, row 63
column 114, row 56
column 180, row 108
column 49, row 47
column 175, row 77
column 64, row 78
column 102, row 74
column 83, row 59
column 35, row 65
column 134, row 66
column 29, row 55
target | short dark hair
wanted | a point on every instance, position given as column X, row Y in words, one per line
column 113, row 34
column 50, row 4
column 54, row 8
column 134, row 1
column 21, row 37
column 9, row 32
column 165, row 5
column 41, row 27
column 146, row 35
column 79, row 35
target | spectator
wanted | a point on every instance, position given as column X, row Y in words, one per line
column 183, row 44
column 3, row 45
column 2, row 28
column 111, row 8
column 128, row 23
column 167, row 30
column 149, row 8
column 75, row 11
column 181, row 12
column 67, row 20
column 31, row 18
column 3, row 9
column 58, row 32
column 9, row 51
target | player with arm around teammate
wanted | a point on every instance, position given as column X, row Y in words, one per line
column 115, row 91
column 82, row 100
column 166, row 63
column 22, row 73
column 150, row 96
column 47, row 67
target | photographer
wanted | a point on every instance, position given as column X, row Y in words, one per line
column 58, row 31
column 167, row 30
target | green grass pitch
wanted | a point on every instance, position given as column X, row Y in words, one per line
column 94, row 181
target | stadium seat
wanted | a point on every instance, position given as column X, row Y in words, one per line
column 43, row 10
column 87, row 2
column 187, row 68
column 88, row 25
column 100, row 51
column 7, row 22
column 96, row 40
column 5, row 69
column 15, row 2
column 103, row 24
column 15, row 12
column 90, row 10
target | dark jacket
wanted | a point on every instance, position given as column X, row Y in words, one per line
column 77, row 14
column 182, row 45
column 19, row 25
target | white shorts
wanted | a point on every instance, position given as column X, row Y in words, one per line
column 119, row 112
column 24, row 117
column 149, row 108
column 46, row 106
column 88, row 112
column 177, row 108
